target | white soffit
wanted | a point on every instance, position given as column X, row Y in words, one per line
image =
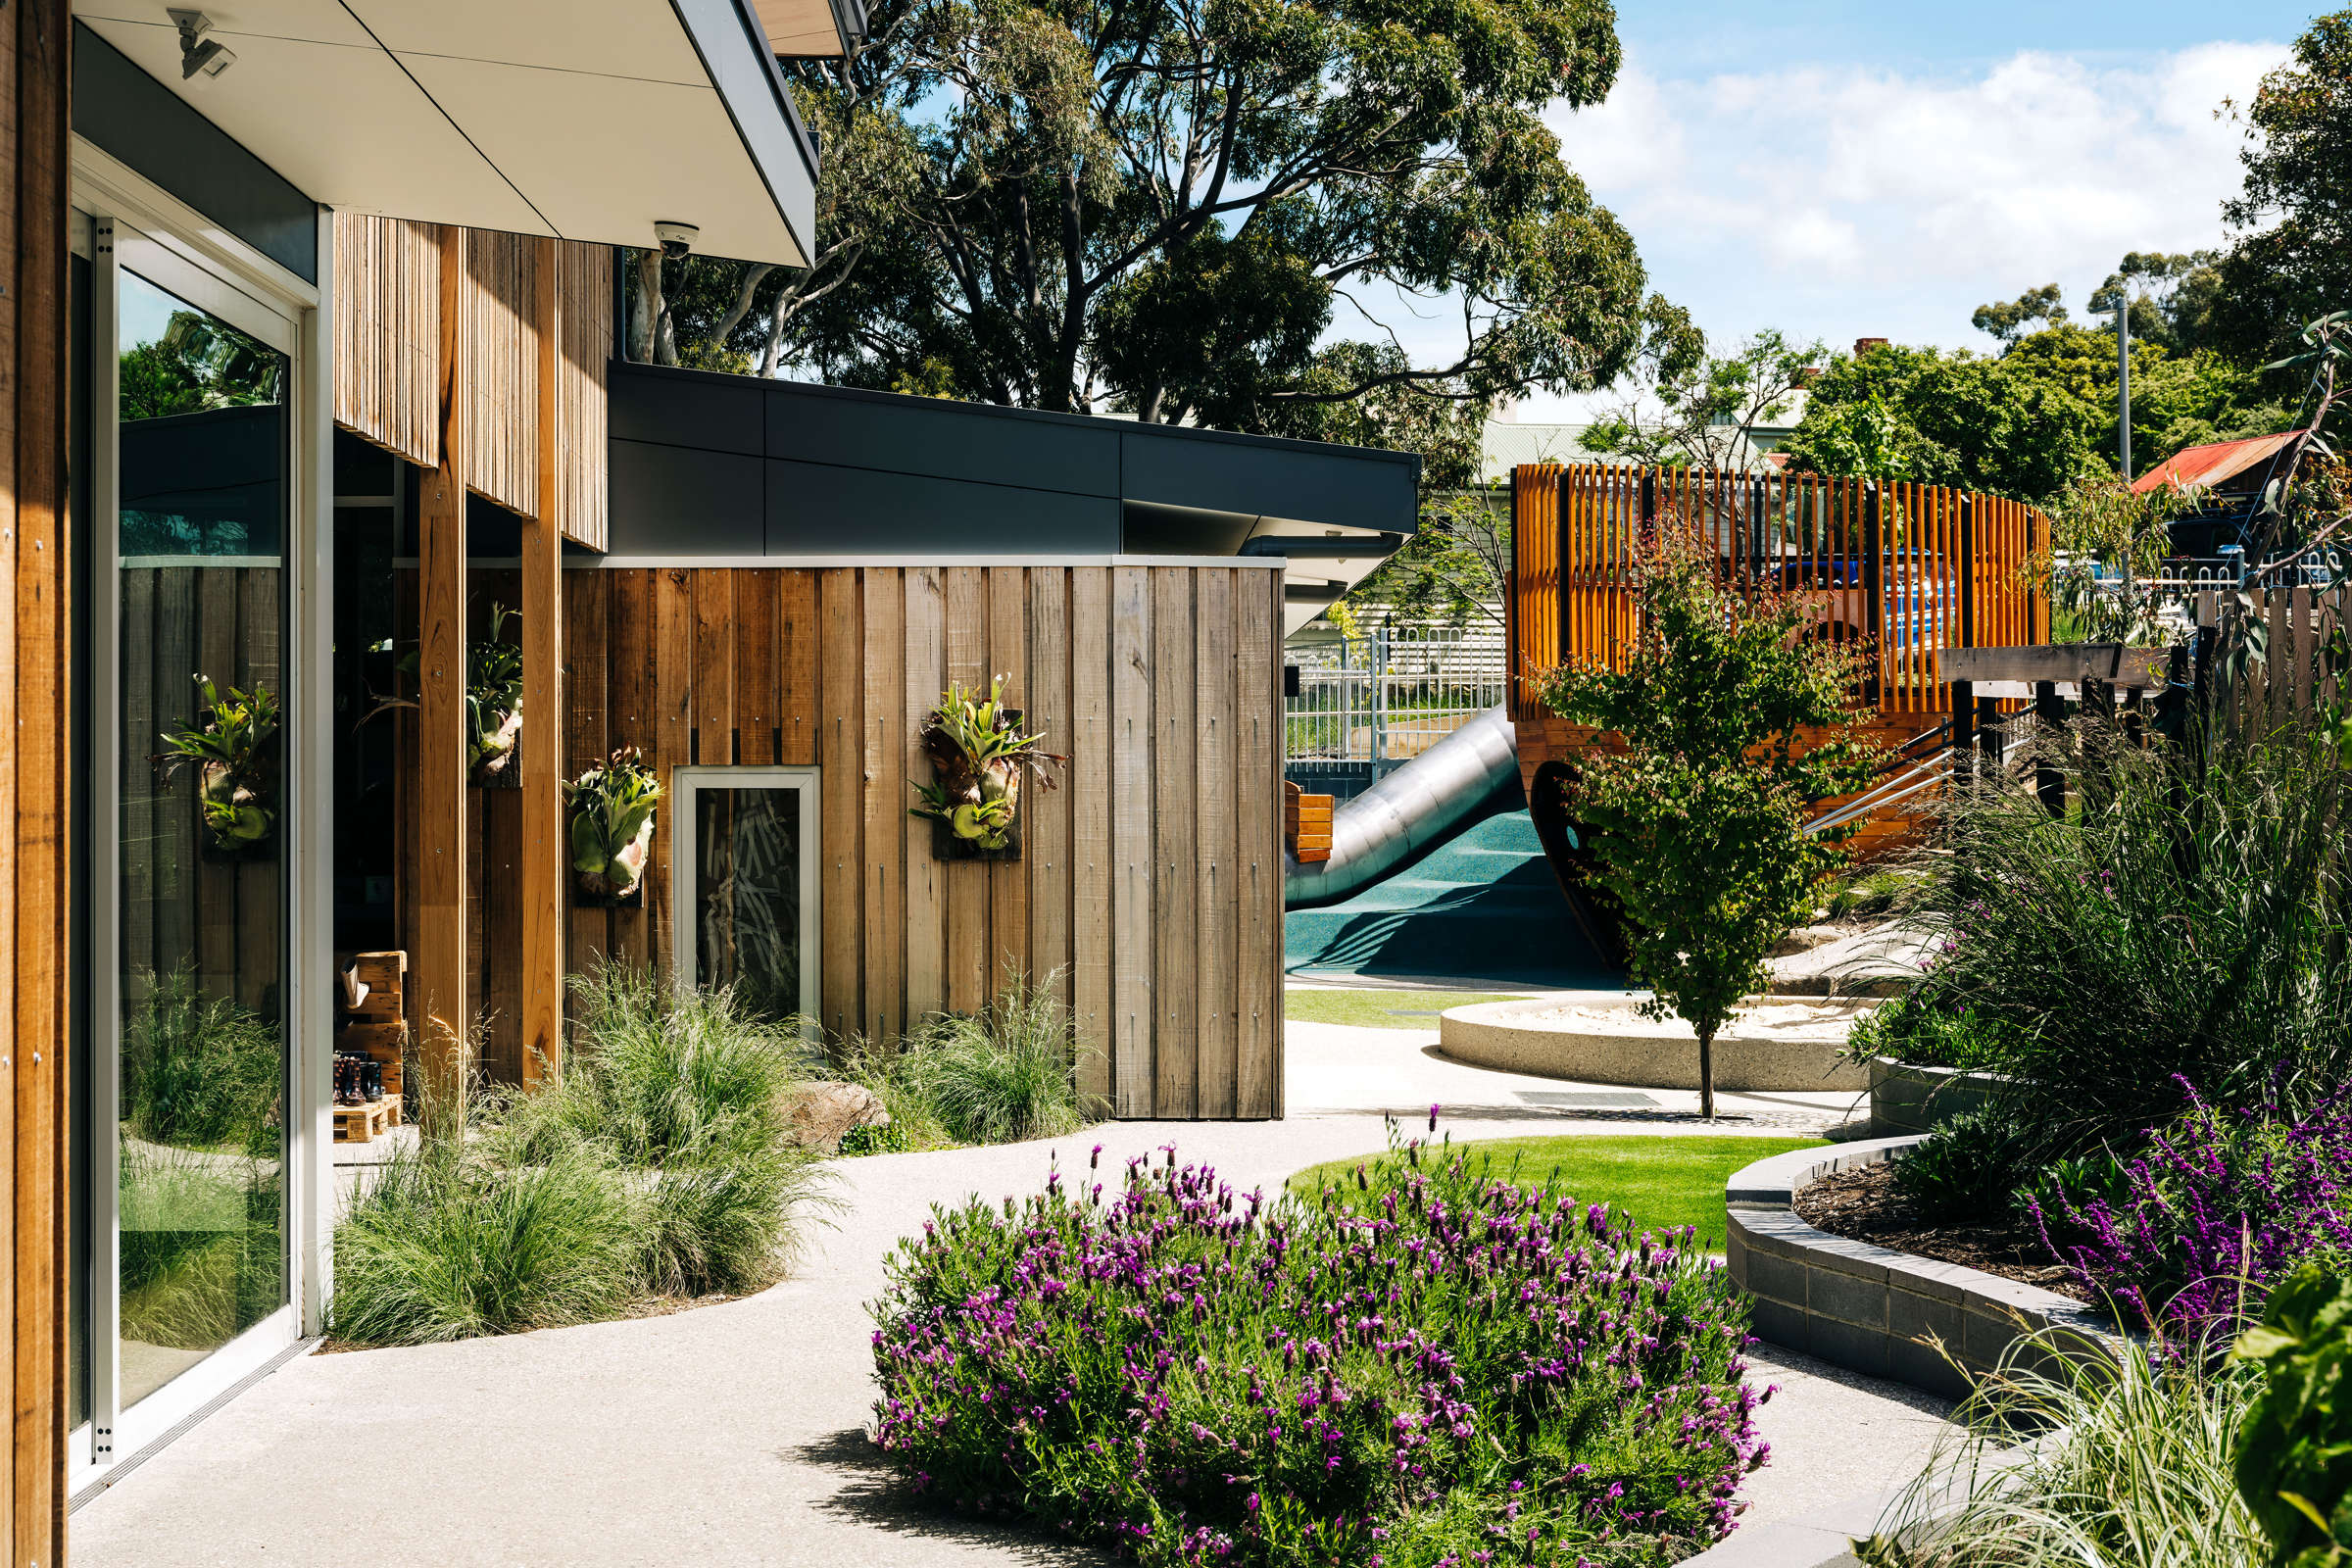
column 799, row 28
column 589, row 119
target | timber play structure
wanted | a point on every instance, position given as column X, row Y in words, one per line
column 1915, row 577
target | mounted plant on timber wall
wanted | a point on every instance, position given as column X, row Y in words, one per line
column 231, row 746
column 979, row 754
column 493, row 704
column 613, row 827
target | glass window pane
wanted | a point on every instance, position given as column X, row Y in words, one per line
column 204, row 442
column 747, row 902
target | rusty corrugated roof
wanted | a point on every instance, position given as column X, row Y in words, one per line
column 2202, row 467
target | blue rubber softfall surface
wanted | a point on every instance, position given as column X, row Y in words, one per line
column 1482, row 907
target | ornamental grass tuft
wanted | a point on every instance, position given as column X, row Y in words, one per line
column 1443, row 1369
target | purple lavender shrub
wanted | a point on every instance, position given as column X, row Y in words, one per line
column 2216, row 1208
column 1439, row 1370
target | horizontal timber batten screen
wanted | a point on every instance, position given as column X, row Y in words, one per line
column 1150, row 879
column 1904, row 570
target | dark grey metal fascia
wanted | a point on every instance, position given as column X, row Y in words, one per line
column 1313, row 592
column 1307, row 547
column 735, row 56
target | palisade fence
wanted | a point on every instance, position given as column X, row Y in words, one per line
column 1906, row 570
column 1369, row 704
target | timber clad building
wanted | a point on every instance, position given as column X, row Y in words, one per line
column 308, row 320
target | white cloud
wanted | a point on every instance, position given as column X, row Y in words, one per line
column 1840, row 204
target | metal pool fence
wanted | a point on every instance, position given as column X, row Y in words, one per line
column 1373, row 702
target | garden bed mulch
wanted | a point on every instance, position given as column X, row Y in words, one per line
column 1866, row 1205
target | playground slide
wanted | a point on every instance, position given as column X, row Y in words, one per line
column 1411, row 811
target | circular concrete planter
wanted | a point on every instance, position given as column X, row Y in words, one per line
column 1531, row 1036
column 1908, row 1099
column 1872, row 1308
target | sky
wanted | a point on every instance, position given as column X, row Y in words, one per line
column 1838, row 168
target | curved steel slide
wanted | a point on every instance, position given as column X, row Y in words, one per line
column 1411, row 811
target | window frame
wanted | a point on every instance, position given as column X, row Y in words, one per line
column 688, row 781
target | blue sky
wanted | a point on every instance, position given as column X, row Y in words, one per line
column 1837, row 169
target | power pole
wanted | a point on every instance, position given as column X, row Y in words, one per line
column 2122, row 376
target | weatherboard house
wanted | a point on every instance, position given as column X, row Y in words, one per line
column 311, row 319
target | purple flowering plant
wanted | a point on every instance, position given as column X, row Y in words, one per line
column 1434, row 1367
column 2188, row 1234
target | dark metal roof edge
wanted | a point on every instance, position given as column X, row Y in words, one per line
column 1082, row 422
column 723, row 32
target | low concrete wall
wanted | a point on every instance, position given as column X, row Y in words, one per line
column 1506, row 1036
column 1909, row 1098
column 1871, row 1308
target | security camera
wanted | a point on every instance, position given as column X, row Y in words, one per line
column 676, row 238
column 199, row 56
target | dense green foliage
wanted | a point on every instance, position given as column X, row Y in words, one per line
column 2187, row 926
column 1924, row 1029
column 1040, row 203
column 1697, row 827
column 2294, row 261
column 2294, row 1447
column 659, row 1165
column 1654, row 1182
column 1447, row 1368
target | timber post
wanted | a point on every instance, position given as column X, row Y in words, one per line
column 2050, row 713
column 542, row 907
column 441, row 741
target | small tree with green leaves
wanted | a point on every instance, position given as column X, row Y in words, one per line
column 1733, row 723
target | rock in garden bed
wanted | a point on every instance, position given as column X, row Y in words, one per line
column 1866, row 1205
column 820, row 1114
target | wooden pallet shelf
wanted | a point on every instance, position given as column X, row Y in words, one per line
column 365, row 1124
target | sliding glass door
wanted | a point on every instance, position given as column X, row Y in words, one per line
column 194, row 1126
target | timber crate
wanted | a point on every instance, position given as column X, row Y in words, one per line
column 365, row 1124
column 386, row 1043
column 384, row 974
column 1306, row 824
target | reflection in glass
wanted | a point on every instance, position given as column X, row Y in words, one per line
column 201, row 1201
column 748, row 896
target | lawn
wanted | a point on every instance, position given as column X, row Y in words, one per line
column 1661, row 1182
column 1378, row 1010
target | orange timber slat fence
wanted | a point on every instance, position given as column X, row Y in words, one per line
column 1905, row 570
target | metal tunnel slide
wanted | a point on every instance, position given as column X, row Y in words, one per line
column 1412, row 810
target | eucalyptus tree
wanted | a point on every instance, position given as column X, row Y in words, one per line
column 1161, row 206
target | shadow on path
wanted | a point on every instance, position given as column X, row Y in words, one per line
column 870, row 1493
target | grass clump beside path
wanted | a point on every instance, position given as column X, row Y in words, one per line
column 1659, row 1183
column 1379, row 1009
column 1004, row 1074
column 659, row 1166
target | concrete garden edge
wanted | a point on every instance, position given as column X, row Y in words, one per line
column 1906, row 1098
column 1869, row 1308
column 1502, row 1035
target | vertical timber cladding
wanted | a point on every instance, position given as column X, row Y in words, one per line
column 388, row 309
column 34, row 782
column 1149, row 884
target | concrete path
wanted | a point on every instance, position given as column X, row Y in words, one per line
column 734, row 1434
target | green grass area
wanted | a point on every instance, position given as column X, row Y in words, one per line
column 1661, row 1182
column 1379, row 1009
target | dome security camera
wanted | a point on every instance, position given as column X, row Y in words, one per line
column 676, row 238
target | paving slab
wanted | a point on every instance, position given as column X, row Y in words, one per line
column 735, row 1432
